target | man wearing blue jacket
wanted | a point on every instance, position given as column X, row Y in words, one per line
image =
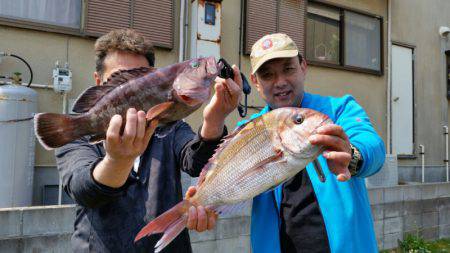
column 305, row 214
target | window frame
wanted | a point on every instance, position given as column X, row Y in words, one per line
column 82, row 32
column 342, row 65
column 28, row 24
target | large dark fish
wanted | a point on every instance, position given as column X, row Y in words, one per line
column 167, row 94
column 264, row 153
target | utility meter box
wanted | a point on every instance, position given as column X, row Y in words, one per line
column 206, row 22
column 62, row 79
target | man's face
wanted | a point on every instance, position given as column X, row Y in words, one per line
column 118, row 60
column 280, row 82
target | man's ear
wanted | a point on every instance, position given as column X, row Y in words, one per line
column 304, row 65
column 97, row 78
column 254, row 81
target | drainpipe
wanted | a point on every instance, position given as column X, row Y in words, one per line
column 64, row 111
column 446, row 151
column 181, row 46
column 422, row 154
column 241, row 32
column 389, row 59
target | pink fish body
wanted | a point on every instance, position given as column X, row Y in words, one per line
column 258, row 156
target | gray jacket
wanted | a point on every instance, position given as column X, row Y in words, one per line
column 108, row 219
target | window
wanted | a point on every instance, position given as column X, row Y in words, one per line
column 154, row 19
column 52, row 12
column 362, row 41
column 210, row 14
column 322, row 40
column 343, row 38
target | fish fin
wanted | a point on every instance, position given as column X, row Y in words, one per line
column 164, row 222
column 231, row 209
column 55, row 130
column 171, row 233
column 277, row 157
column 90, row 97
column 124, row 75
column 158, row 110
column 94, row 139
column 163, row 131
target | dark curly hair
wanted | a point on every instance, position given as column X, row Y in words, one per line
column 127, row 40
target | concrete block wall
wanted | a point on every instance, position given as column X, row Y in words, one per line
column 433, row 174
column 36, row 229
column 422, row 209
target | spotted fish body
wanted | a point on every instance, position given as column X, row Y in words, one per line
column 255, row 158
column 168, row 94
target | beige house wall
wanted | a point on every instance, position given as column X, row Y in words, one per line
column 416, row 23
column 42, row 49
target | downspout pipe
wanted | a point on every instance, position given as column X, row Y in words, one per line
column 389, row 85
column 181, row 28
column 446, row 152
column 422, row 154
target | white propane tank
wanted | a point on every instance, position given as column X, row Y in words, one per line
column 18, row 104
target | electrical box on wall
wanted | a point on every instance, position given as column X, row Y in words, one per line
column 62, row 79
column 206, row 28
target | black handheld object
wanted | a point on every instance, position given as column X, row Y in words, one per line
column 319, row 171
column 227, row 72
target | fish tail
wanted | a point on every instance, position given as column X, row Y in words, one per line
column 171, row 223
column 55, row 130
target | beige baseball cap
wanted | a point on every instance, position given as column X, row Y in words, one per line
column 271, row 46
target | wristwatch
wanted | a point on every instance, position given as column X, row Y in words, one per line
column 355, row 162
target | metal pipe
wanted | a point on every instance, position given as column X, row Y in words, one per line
column 181, row 46
column 64, row 111
column 186, row 26
column 241, row 32
column 446, row 151
column 422, row 154
column 33, row 85
column 389, row 59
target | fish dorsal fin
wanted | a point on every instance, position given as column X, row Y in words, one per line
column 90, row 97
column 124, row 75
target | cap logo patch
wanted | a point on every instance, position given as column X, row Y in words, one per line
column 267, row 44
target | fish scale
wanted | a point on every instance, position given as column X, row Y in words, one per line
column 255, row 158
column 167, row 94
column 256, row 150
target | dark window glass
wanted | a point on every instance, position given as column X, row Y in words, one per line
column 210, row 14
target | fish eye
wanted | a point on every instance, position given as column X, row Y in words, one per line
column 298, row 119
column 194, row 64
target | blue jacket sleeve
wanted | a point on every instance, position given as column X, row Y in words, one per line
column 356, row 124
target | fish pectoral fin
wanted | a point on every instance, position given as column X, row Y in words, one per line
column 158, row 109
column 257, row 168
column 90, row 97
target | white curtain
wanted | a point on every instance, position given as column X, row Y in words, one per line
column 56, row 12
column 362, row 41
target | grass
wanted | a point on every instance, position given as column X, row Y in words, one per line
column 416, row 244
